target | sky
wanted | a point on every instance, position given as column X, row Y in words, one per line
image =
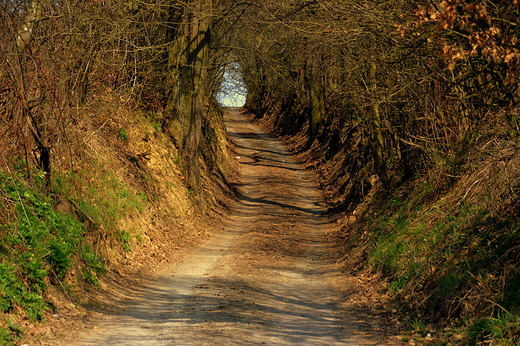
column 232, row 91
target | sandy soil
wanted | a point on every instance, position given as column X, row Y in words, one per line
column 265, row 280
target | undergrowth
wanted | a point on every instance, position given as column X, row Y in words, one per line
column 39, row 245
column 452, row 261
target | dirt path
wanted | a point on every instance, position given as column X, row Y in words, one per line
column 261, row 282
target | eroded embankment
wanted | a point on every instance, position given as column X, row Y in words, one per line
column 118, row 207
column 266, row 279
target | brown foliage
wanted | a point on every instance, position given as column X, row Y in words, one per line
column 481, row 36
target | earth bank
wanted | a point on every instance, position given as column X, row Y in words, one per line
column 266, row 277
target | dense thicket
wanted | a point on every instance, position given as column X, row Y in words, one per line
column 385, row 69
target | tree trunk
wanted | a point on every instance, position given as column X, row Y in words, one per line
column 317, row 98
column 189, row 62
column 24, row 37
column 26, row 32
column 377, row 140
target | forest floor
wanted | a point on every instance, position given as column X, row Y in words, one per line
column 267, row 276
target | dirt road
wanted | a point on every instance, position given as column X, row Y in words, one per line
column 261, row 282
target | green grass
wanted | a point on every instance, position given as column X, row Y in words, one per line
column 105, row 199
column 502, row 330
column 454, row 255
